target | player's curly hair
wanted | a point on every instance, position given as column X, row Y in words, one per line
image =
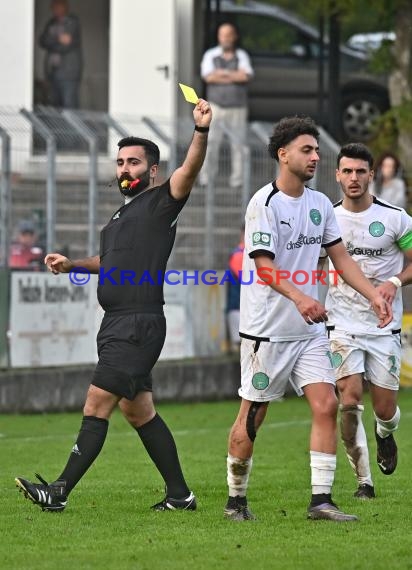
column 288, row 129
column 151, row 148
column 355, row 150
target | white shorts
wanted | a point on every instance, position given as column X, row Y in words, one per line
column 267, row 367
column 378, row 357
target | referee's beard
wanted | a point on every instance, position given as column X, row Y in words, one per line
column 144, row 181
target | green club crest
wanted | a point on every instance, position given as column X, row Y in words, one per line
column 260, row 381
column 335, row 359
column 261, row 238
column 315, row 216
column 376, row 229
column 392, row 363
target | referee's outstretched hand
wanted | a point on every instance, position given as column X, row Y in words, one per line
column 57, row 263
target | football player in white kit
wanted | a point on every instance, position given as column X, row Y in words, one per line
column 378, row 236
column 282, row 322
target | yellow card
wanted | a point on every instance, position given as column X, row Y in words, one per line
column 189, row 93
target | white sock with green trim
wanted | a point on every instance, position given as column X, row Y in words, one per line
column 385, row 428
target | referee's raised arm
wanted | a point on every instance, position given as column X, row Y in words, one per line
column 182, row 180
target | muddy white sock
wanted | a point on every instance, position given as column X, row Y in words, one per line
column 238, row 471
column 354, row 439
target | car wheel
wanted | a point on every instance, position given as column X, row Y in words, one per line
column 359, row 113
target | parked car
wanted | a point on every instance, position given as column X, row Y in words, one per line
column 371, row 41
column 285, row 54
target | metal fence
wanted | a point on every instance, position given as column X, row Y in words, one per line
column 58, row 168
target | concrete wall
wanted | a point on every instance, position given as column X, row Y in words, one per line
column 16, row 53
column 64, row 389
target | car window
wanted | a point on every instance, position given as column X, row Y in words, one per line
column 315, row 50
column 263, row 36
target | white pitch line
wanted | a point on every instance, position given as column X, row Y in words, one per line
column 184, row 432
column 270, row 426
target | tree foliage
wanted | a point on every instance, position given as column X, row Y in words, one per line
column 352, row 13
column 363, row 16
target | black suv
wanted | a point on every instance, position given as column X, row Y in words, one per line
column 285, row 56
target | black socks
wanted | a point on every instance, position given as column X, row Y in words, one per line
column 88, row 445
column 161, row 447
column 233, row 502
column 155, row 436
column 321, row 498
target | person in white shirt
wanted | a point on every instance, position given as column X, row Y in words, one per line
column 282, row 322
column 378, row 236
column 226, row 70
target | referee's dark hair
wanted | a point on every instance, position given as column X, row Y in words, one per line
column 288, row 129
column 356, row 150
column 151, row 149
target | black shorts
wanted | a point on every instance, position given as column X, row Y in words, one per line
column 128, row 347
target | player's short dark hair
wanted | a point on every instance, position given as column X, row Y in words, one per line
column 355, row 150
column 151, row 149
column 288, row 129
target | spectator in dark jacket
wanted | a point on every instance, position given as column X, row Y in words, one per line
column 63, row 64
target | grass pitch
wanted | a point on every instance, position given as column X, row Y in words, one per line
column 108, row 525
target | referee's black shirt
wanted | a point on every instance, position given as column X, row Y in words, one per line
column 134, row 248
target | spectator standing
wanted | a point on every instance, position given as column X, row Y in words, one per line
column 61, row 39
column 226, row 69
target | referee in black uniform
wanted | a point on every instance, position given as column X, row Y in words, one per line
column 134, row 248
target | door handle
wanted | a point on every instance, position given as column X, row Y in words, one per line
column 165, row 69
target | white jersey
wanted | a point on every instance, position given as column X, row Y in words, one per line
column 375, row 238
column 291, row 231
